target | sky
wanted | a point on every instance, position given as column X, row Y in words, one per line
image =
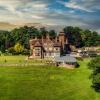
column 82, row 13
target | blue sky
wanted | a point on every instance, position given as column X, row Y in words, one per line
column 83, row 13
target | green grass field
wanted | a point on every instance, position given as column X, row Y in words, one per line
column 12, row 59
column 19, row 60
column 45, row 83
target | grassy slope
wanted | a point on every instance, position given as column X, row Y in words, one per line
column 45, row 83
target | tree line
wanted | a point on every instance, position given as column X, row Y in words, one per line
column 10, row 41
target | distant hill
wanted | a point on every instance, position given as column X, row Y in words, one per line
column 9, row 26
column 57, row 28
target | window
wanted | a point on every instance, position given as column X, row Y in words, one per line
column 37, row 54
column 37, row 49
column 57, row 49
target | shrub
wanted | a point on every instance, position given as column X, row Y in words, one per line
column 18, row 48
column 95, row 76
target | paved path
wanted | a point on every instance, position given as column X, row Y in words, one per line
column 13, row 64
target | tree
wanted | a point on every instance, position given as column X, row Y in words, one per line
column 95, row 76
column 4, row 40
column 52, row 33
column 73, row 35
column 43, row 31
column 90, row 38
column 18, row 48
column 20, row 35
column 79, row 37
column 11, row 50
column 76, row 36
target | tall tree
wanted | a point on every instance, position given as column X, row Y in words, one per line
column 90, row 38
column 43, row 31
column 52, row 33
column 4, row 40
column 74, row 36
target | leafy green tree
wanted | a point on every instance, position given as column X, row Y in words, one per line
column 95, row 66
column 79, row 37
column 76, row 36
column 43, row 31
column 4, row 40
column 73, row 35
column 18, row 48
column 32, row 31
column 94, row 63
column 20, row 35
column 52, row 33
column 90, row 38
column 23, row 34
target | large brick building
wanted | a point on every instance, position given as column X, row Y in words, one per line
column 48, row 47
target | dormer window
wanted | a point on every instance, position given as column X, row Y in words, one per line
column 56, row 49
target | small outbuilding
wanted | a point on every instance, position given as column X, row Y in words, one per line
column 66, row 61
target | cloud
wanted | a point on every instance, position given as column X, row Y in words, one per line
column 74, row 5
column 15, row 6
column 85, row 5
column 52, row 12
column 37, row 17
column 40, row 6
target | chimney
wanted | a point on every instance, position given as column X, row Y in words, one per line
column 56, row 39
column 62, row 39
column 35, row 37
column 47, row 36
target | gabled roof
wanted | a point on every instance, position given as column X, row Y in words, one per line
column 37, row 44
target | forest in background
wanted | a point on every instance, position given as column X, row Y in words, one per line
column 16, row 41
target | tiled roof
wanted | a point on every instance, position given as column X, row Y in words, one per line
column 56, row 44
column 37, row 44
column 66, row 58
column 42, row 42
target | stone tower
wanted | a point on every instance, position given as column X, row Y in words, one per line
column 62, row 38
column 47, row 36
column 64, row 42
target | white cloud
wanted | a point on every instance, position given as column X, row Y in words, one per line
column 74, row 5
column 40, row 6
column 24, row 11
column 85, row 5
column 37, row 17
column 11, row 6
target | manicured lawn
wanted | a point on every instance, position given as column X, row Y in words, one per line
column 20, row 60
column 46, row 83
column 12, row 59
